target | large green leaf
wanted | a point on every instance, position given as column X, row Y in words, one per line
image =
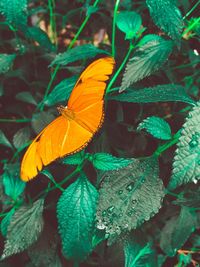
column 79, row 52
column 146, row 60
column 157, row 127
column 186, row 167
column 6, row 62
column 107, row 162
column 40, row 120
column 129, row 196
column 138, row 252
column 6, row 221
column 14, row 11
column 76, row 213
column 167, row 16
column 24, row 229
column 159, row 93
column 177, row 230
column 21, row 137
column 13, row 186
column 129, row 22
column 74, row 159
column 61, row 91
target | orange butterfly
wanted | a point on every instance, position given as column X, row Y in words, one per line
column 78, row 122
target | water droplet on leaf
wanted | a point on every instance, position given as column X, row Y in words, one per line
column 130, row 187
column 110, row 209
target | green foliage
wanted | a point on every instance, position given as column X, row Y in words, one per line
column 129, row 23
column 26, row 97
column 186, row 166
column 167, row 16
column 4, row 140
column 77, row 53
column 6, row 221
column 157, row 127
column 6, row 62
column 76, row 213
column 24, row 228
column 147, row 59
column 129, row 197
column 40, row 120
column 75, row 159
column 21, row 137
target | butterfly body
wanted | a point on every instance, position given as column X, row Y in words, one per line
column 77, row 123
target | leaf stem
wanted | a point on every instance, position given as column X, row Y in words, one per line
column 114, row 27
column 191, row 10
column 191, row 26
column 15, row 120
column 51, row 6
column 131, row 47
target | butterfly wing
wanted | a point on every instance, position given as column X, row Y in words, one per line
column 64, row 135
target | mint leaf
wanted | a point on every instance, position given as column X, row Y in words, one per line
column 40, row 120
column 26, row 97
column 76, row 213
column 6, row 62
column 21, row 137
column 6, row 221
column 74, row 159
column 4, row 140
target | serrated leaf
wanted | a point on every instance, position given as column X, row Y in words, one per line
column 4, row 140
column 6, row 221
column 40, row 120
column 76, row 213
column 167, row 16
column 6, row 62
column 26, row 97
column 129, row 196
column 75, row 159
column 159, row 93
column 177, row 230
column 21, row 137
column 157, row 127
column 138, row 252
column 146, row 60
column 14, row 11
column 79, row 52
column 129, row 22
column 186, row 167
column 107, row 162
column 61, row 91
column 24, row 229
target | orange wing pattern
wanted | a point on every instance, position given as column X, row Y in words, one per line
column 78, row 122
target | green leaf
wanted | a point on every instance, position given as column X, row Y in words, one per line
column 107, row 162
column 138, row 252
column 157, row 127
column 167, row 16
column 14, row 11
column 6, row 62
column 40, row 120
column 76, row 213
column 26, row 97
column 61, row 91
column 6, row 221
column 21, row 137
column 75, row 159
column 177, row 230
column 146, row 60
column 186, row 167
column 24, row 229
column 129, row 22
column 3, row 140
column 159, row 93
column 77, row 53
column 129, row 196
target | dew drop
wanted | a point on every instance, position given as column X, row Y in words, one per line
column 130, row 187
column 104, row 213
column 193, row 143
column 120, row 192
column 134, row 201
column 110, row 209
column 195, row 181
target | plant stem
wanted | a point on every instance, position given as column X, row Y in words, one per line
column 191, row 27
column 51, row 6
column 191, row 10
column 13, row 120
column 131, row 47
column 114, row 27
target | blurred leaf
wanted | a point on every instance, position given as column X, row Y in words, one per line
column 129, row 196
column 24, row 229
column 167, row 16
column 14, row 11
column 61, row 91
column 77, row 53
column 76, row 213
column 157, row 127
column 26, row 97
column 6, row 221
column 3, row 140
column 137, row 252
column 186, row 167
column 159, row 93
column 177, row 230
column 146, row 60
column 21, row 137
column 74, row 159
column 6, row 62
column 40, row 120
column 129, row 22
column 107, row 162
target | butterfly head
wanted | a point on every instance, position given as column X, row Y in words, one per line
column 66, row 112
